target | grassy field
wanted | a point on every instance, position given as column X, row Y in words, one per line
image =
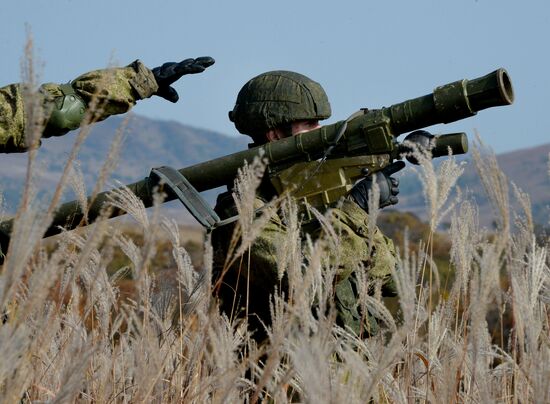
column 115, row 314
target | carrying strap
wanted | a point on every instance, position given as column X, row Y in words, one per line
column 176, row 182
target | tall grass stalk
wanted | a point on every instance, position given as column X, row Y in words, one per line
column 68, row 335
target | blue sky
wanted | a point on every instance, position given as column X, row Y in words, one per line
column 364, row 53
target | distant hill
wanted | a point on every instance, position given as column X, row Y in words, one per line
column 151, row 143
column 527, row 168
column 148, row 143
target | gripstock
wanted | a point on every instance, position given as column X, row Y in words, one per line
column 370, row 134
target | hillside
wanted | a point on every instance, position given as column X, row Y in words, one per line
column 527, row 168
column 148, row 143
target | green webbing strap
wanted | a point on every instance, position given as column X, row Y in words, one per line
column 67, row 89
column 189, row 196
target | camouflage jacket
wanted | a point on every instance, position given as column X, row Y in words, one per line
column 260, row 279
column 107, row 91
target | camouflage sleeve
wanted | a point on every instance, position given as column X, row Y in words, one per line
column 106, row 92
column 355, row 253
column 111, row 91
column 12, row 119
column 352, row 224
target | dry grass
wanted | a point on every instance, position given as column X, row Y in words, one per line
column 68, row 336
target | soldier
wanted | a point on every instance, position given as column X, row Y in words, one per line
column 100, row 93
column 272, row 106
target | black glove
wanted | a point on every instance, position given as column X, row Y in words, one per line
column 388, row 187
column 170, row 72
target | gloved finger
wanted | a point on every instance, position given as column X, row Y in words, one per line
column 359, row 192
column 188, row 66
column 393, row 200
column 365, row 183
column 168, row 93
column 394, row 190
column 394, row 167
column 186, row 62
column 394, row 181
column 165, row 74
column 192, row 66
column 205, row 61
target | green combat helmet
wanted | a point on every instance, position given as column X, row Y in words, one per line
column 276, row 98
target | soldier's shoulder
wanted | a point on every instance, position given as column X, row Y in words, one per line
column 225, row 204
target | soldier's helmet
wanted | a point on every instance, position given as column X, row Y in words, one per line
column 276, row 98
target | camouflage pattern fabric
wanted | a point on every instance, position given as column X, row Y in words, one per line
column 106, row 92
column 276, row 98
column 351, row 223
column 260, row 278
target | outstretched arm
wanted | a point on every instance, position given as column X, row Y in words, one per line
column 91, row 97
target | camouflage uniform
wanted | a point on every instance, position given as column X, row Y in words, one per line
column 110, row 91
column 261, row 278
column 273, row 101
